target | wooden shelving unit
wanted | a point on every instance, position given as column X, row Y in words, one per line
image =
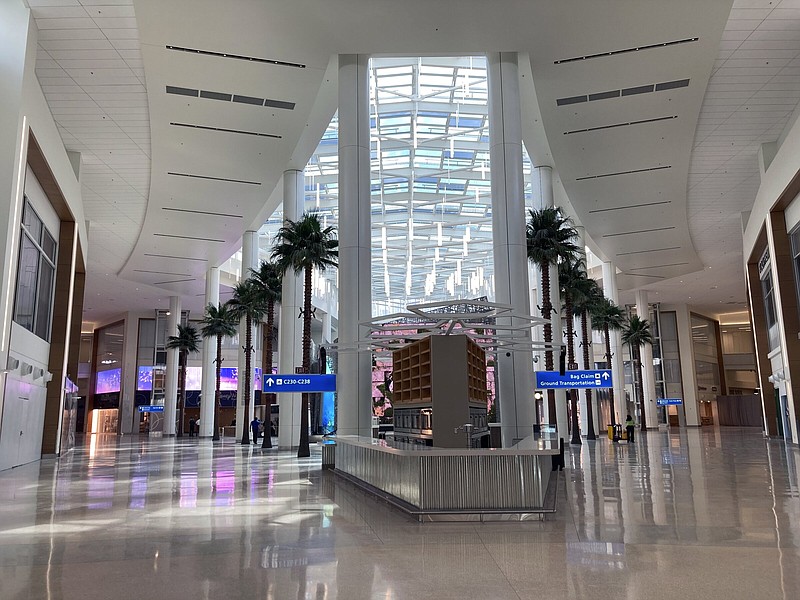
column 440, row 384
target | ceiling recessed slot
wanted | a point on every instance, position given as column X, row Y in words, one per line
column 672, row 85
column 678, row 264
column 626, row 50
column 188, row 237
column 647, row 251
column 215, row 95
column 643, row 275
column 623, row 173
column 604, row 95
column 182, row 91
column 175, row 257
column 270, row 61
column 600, row 210
column 223, row 129
column 608, row 235
column 570, row 100
column 213, row 178
column 163, row 273
column 279, row 104
column 639, row 89
column 640, row 122
column 248, row 100
column 202, row 212
column 173, row 281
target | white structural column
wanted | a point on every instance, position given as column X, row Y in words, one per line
column 354, row 381
column 689, row 407
column 649, row 408
column 249, row 261
column 128, row 420
column 209, row 366
column 290, row 329
column 611, row 292
column 171, row 376
column 515, row 369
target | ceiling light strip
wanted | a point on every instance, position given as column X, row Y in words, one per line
column 623, row 173
column 647, row 251
column 188, row 237
column 175, row 257
column 225, row 130
column 162, row 273
column 615, row 125
column 639, row 231
column 173, row 281
column 600, row 210
column 202, row 212
column 269, row 61
column 678, row 264
column 626, row 50
column 643, row 275
column 213, row 178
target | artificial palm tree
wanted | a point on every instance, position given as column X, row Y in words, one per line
column 608, row 317
column 247, row 303
column 636, row 333
column 302, row 246
column 268, row 280
column 550, row 237
column 589, row 294
column 187, row 341
column 218, row 321
column 570, row 273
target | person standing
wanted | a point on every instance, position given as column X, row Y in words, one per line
column 255, row 425
column 191, row 427
column 629, row 428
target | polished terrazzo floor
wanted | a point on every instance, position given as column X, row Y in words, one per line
column 697, row 514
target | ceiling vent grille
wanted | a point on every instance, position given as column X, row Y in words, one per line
column 226, row 97
column 188, row 237
column 631, row 172
column 648, row 251
column 202, row 212
column 677, row 264
column 631, row 91
column 643, row 205
column 608, row 235
column 269, row 61
column 175, row 257
column 626, row 50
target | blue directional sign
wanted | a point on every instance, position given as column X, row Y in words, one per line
column 668, row 401
column 299, row 383
column 151, row 408
column 600, row 378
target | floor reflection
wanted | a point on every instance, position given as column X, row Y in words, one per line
column 711, row 513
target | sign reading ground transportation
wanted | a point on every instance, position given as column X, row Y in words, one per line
column 151, row 408
column 600, row 378
column 299, row 383
column 668, row 401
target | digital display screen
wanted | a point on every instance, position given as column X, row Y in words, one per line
column 108, row 381
column 144, row 379
column 194, row 379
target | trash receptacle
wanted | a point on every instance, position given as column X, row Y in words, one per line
column 611, row 432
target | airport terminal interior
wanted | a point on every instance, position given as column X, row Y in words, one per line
column 373, row 299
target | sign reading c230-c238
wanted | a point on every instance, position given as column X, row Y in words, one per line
column 299, row 383
column 599, row 378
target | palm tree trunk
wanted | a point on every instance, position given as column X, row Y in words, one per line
column 303, row 449
column 266, row 369
column 182, row 396
column 607, row 334
column 248, row 336
column 640, row 384
column 547, row 310
column 215, row 433
column 573, row 394
column 586, row 365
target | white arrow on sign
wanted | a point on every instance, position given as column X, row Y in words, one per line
column 606, row 375
column 270, row 382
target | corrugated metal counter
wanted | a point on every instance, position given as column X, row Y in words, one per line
column 429, row 481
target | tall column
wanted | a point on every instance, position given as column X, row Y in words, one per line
column 209, row 366
column 649, row 407
column 354, row 381
column 128, row 419
column 290, row 330
column 249, row 261
column 171, row 376
column 611, row 292
column 515, row 369
column 583, row 414
column 327, row 328
column 688, row 374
